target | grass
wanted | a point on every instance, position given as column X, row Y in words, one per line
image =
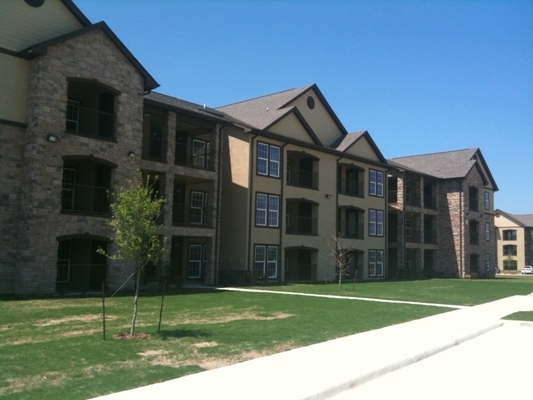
column 521, row 316
column 441, row 291
column 53, row 348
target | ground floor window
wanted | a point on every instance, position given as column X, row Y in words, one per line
column 197, row 260
column 266, row 261
column 375, row 262
column 487, row 262
column 510, row 265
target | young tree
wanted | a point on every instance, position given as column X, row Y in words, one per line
column 339, row 256
column 135, row 210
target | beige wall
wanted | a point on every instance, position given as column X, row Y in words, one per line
column 363, row 149
column 14, row 75
column 291, row 127
column 23, row 25
column 503, row 223
column 318, row 118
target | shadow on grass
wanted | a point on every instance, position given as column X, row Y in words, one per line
column 182, row 333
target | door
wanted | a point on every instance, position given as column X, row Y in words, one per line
column 304, row 265
column 352, row 220
column 106, row 108
column 306, row 172
column 181, row 148
column 305, row 218
column 352, row 182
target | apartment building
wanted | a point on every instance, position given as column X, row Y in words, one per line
column 514, row 238
column 76, row 120
column 441, row 215
column 291, row 182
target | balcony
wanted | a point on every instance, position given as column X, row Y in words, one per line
column 430, row 236
column 155, row 150
column 301, row 225
column 84, row 199
column 412, row 236
column 352, row 230
column 194, row 156
column 351, row 187
column 302, row 178
column 191, row 216
column 393, row 196
column 79, row 277
column 89, row 122
column 430, row 202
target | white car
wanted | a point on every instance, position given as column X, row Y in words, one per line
column 528, row 269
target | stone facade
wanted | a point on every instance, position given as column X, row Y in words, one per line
column 33, row 218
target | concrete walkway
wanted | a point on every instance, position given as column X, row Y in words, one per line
column 327, row 369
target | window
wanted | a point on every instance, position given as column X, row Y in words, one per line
column 375, row 262
column 197, row 260
column 267, row 210
column 198, row 208
column 509, row 234
column 63, row 261
column 408, row 228
column 509, row 250
column 474, row 263
column 268, row 158
column 375, row 222
column 487, row 262
column 473, row 230
column 487, row 230
column 376, row 183
column 200, row 153
column 266, row 261
column 486, row 200
column 68, row 189
column 472, row 199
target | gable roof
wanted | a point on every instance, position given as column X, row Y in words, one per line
column 524, row 220
column 41, row 49
column 446, row 165
column 263, row 112
column 346, row 141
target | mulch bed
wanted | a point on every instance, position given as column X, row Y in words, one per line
column 127, row 336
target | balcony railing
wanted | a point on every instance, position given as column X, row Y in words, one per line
column 182, row 215
column 190, row 156
column 352, row 230
column 430, row 236
column 89, row 122
column 79, row 277
column 302, row 178
column 350, row 187
column 301, row 272
column 413, row 236
column 430, row 201
column 302, row 225
column 156, row 149
column 412, row 199
column 84, row 199
column 393, row 196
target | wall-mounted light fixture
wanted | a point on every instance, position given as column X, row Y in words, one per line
column 328, row 196
column 52, row 138
column 131, row 154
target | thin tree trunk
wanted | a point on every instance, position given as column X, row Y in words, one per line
column 135, row 301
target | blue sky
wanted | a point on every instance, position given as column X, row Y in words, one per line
column 420, row 76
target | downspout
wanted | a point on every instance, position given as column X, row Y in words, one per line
column 337, row 195
column 250, row 200
column 219, row 202
column 281, row 200
column 461, row 227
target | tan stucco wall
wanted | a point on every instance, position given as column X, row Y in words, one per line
column 363, row 149
column 318, row 118
column 23, row 25
column 291, row 127
column 14, row 75
column 503, row 223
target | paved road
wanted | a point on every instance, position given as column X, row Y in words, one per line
column 496, row 365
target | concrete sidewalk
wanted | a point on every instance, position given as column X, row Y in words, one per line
column 326, row 369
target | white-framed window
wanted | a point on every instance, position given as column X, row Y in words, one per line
column 267, row 210
column 64, row 251
column 73, row 115
column 408, row 194
column 266, row 261
column 198, row 207
column 197, row 260
column 375, row 223
column 200, row 153
column 268, row 159
column 487, row 230
column 375, row 262
column 68, row 189
column 375, row 183
column 509, row 234
column 408, row 228
column 486, row 200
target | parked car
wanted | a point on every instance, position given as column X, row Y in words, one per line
column 528, row 269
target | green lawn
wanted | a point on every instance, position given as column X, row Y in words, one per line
column 521, row 316
column 466, row 292
column 53, row 348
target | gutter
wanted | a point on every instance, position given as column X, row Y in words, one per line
column 281, row 208
column 250, row 202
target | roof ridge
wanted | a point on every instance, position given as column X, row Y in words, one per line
column 434, row 153
column 264, row 96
